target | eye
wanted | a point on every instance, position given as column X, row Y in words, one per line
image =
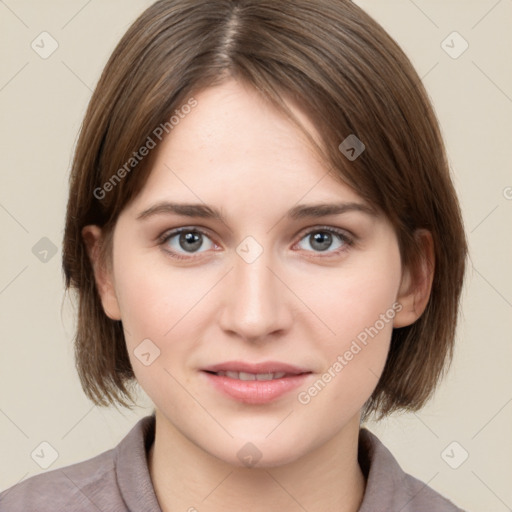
column 185, row 242
column 182, row 241
column 322, row 239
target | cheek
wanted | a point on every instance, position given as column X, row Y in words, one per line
column 151, row 306
column 170, row 307
column 359, row 308
column 153, row 296
column 354, row 297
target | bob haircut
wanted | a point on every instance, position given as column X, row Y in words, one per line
column 350, row 77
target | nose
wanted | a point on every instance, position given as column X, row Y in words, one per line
column 256, row 302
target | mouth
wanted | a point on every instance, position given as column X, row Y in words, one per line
column 254, row 376
column 255, row 383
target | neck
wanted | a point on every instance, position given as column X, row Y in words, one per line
column 186, row 477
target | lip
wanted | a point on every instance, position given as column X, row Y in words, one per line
column 263, row 367
column 256, row 391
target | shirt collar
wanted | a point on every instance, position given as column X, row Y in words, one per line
column 382, row 473
column 384, row 477
column 132, row 470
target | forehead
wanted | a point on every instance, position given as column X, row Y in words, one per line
column 234, row 147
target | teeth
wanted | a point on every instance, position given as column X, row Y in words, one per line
column 252, row 376
column 246, row 376
column 264, row 376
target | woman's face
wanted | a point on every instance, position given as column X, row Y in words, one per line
column 318, row 293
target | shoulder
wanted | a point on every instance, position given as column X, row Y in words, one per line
column 388, row 487
column 419, row 497
column 83, row 486
column 116, row 480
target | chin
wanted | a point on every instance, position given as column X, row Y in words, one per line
column 244, row 453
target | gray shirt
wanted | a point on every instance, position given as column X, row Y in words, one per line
column 118, row 480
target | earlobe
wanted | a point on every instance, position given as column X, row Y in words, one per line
column 416, row 284
column 93, row 238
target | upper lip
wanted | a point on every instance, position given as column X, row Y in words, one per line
column 256, row 368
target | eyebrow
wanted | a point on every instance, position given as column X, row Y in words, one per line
column 298, row 212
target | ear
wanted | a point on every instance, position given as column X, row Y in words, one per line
column 93, row 239
column 416, row 283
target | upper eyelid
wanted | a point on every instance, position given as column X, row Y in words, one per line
column 170, row 233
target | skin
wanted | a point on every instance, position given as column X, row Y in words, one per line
column 236, row 153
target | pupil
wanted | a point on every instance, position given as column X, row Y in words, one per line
column 323, row 241
column 191, row 241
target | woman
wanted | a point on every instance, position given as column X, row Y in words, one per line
column 262, row 232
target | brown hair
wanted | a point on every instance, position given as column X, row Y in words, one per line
column 348, row 74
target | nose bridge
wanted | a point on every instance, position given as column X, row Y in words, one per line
column 255, row 303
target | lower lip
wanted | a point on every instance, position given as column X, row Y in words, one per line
column 255, row 391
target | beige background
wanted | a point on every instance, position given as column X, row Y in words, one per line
column 42, row 103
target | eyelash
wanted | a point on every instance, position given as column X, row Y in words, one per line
column 347, row 240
